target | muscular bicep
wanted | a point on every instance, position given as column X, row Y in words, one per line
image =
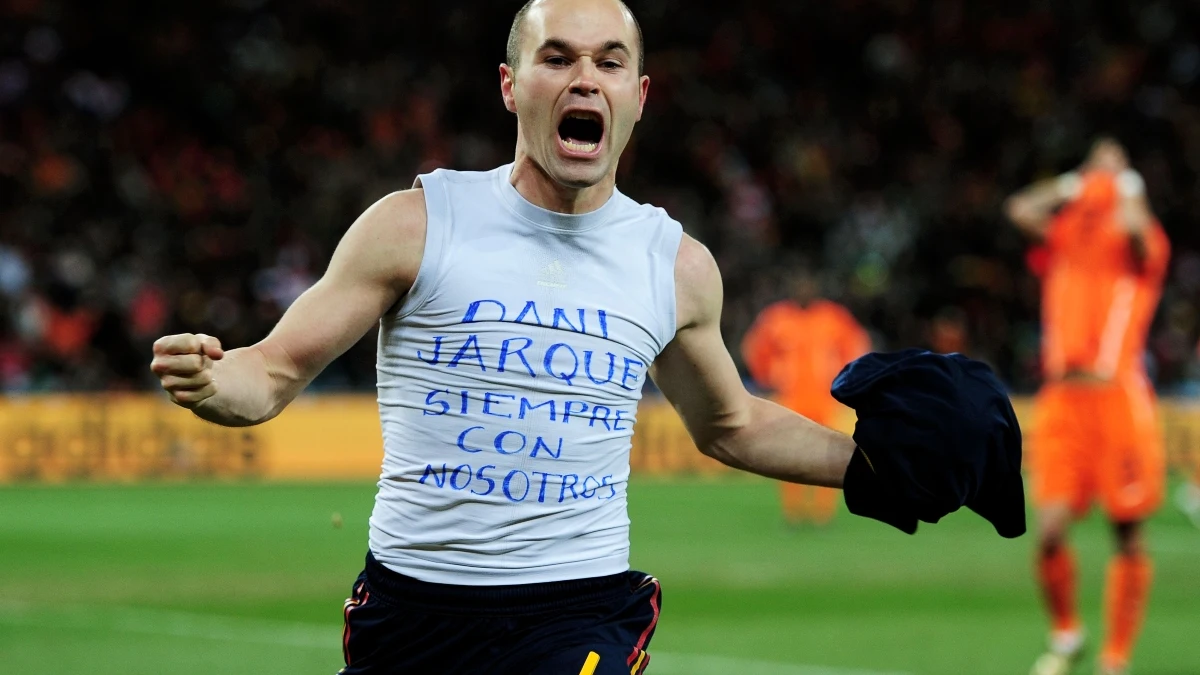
column 372, row 268
column 695, row 371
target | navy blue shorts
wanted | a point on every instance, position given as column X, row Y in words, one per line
column 598, row 626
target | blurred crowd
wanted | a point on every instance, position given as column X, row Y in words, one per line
column 170, row 167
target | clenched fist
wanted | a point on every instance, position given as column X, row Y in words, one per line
column 183, row 364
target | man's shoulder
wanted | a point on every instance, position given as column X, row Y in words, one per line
column 396, row 225
column 403, row 209
column 695, row 263
column 698, row 290
column 386, row 243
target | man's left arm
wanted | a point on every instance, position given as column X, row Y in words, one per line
column 727, row 423
column 1137, row 220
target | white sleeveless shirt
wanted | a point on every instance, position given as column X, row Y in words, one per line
column 509, row 378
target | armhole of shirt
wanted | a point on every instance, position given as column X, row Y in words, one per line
column 437, row 227
column 671, row 240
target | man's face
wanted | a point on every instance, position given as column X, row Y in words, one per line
column 576, row 91
column 1108, row 155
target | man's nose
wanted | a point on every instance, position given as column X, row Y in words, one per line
column 585, row 83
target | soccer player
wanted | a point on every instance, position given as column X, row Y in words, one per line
column 1097, row 436
column 795, row 348
column 520, row 311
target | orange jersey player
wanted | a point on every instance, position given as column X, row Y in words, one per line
column 795, row 348
column 1096, row 436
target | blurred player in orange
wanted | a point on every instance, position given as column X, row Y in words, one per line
column 1096, row 435
column 795, row 348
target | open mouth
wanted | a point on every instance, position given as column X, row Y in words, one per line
column 581, row 132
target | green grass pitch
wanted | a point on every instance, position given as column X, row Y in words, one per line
column 249, row 578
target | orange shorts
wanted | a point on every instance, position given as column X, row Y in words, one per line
column 1099, row 442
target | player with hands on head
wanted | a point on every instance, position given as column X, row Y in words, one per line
column 1097, row 436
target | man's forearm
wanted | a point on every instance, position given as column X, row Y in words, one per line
column 248, row 393
column 778, row 443
column 1031, row 208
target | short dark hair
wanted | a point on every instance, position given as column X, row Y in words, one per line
column 513, row 55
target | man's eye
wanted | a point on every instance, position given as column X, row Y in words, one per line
column 556, row 61
column 610, row 65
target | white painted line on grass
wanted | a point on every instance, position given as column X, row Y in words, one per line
column 181, row 624
column 314, row 636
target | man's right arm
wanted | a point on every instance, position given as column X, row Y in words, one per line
column 1031, row 208
column 372, row 268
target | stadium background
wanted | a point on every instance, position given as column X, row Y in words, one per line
column 168, row 168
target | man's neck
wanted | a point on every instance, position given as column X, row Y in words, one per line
column 535, row 185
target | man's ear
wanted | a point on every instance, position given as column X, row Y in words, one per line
column 644, row 83
column 508, row 80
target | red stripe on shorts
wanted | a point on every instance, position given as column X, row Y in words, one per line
column 653, row 622
column 351, row 603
